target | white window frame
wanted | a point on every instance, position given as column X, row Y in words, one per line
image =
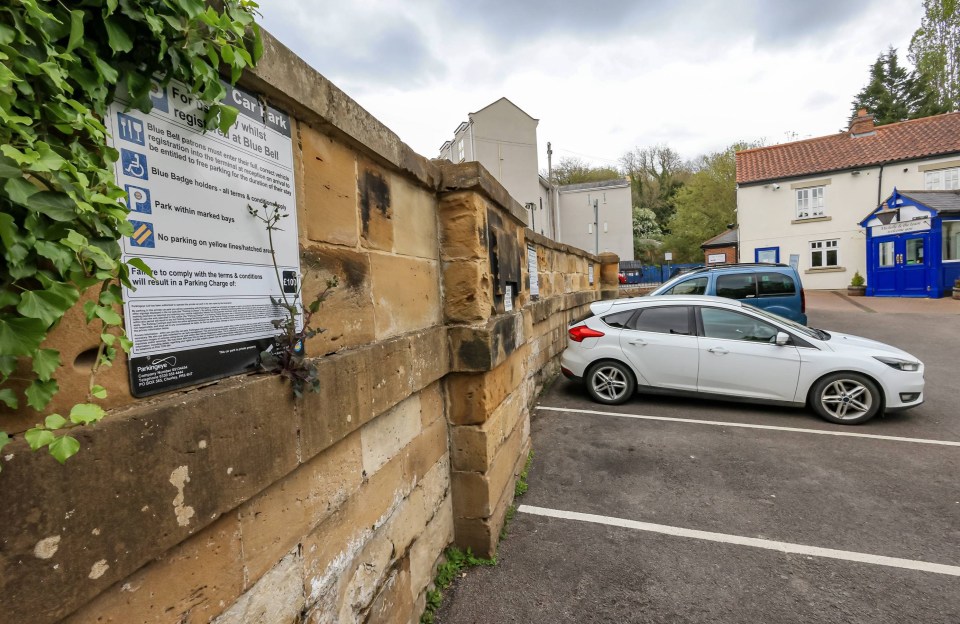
column 810, row 202
column 460, row 153
column 947, row 179
column 820, row 248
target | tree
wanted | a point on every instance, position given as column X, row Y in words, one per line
column 575, row 171
column 935, row 50
column 895, row 93
column 656, row 174
column 645, row 224
column 705, row 205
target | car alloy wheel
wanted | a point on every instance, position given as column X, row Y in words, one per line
column 846, row 398
column 610, row 383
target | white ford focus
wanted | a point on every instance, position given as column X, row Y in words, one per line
column 714, row 347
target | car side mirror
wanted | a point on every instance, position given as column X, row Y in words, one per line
column 782, row 339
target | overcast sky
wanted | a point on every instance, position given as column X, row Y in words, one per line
column 602, row 76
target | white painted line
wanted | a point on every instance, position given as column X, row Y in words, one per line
column 716, row 423
column 723, row 538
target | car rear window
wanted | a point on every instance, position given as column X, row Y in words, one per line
column 775, row 285
column 737, row 286
column 665, row 320
column 619, row 319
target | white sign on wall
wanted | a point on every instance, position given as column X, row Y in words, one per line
column 533, row 270
column 207, row 313
column 901, row 227
column 590, row 274
column 716, row 258
column 508, row 298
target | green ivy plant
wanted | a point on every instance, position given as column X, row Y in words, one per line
column 61, row 213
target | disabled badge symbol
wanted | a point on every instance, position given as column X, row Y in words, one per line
column 142, row 234
column 133, row 164
column 138, row 199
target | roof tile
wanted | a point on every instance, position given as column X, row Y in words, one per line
column 907, row 140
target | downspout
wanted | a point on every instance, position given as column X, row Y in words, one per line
column 880, row 185
column 473, row 144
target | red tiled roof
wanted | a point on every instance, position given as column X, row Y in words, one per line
column 907, row 140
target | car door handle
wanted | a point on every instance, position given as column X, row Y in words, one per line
column 718, row 350
column 637, row 342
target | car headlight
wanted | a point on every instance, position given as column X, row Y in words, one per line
column 897, row 363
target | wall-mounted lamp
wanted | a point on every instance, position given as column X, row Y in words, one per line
column 776, row 187
column 855, row 172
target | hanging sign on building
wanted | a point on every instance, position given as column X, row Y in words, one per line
column 207, row 311
column 901, row 227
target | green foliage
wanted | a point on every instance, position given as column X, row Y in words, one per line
column 857, row 280
column 935, row 51
column 705, row 205
column 61, row 212
column 896, row 94
column 521, row 486
column 570, row 170
column 657, row 173
column 288, row 355
column 455, row 561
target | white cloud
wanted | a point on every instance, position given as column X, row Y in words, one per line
column 601, row 77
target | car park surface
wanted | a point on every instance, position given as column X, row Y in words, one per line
column 739, row 513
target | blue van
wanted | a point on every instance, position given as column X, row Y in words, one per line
column 775, row 288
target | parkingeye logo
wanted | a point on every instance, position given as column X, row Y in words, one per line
column 158, row 365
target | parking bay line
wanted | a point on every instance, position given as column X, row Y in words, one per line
column 754, row 542
column 717, row 423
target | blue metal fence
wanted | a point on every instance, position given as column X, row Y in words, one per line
column 653, row 274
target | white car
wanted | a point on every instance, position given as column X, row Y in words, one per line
column 721, row 348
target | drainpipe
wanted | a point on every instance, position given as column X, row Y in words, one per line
column 880, row 185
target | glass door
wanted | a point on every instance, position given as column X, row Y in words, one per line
column 883, row 278
column 913, row 269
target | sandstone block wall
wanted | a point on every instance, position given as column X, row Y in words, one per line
column 235, row 503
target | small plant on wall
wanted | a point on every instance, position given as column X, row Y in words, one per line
column 287, row 355
column 858, row 285
column 956, row 288
column 62, row 215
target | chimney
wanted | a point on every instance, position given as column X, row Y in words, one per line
column 862, row 124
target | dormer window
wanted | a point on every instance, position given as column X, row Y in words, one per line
column 810, row 202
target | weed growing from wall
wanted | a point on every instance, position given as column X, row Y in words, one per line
column 61, row 213
column 287, row 356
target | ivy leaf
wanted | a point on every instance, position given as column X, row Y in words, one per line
column 19, row 190
column 140, row 264
column 63, row 448
column 108, row 315
column 44, row 305
column 39, row 393
column 9, row 398
column 21, row 336
column 8, row 364
column 57, row 206
column 86, row 413
column 55, row 253
column 9, row 168
column 38, row 438
column 228, row 116
column 117, row 37
column 45, row 362
column 125, row 343
column 76, row 30
column 4, row 439
column 54, row 421
column 99, row 392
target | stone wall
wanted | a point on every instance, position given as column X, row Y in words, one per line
column 233, row 502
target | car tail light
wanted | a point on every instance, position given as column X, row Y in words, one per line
column 578, row 333
column 803, row 301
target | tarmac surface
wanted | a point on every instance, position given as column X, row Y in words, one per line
column 751, row 514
